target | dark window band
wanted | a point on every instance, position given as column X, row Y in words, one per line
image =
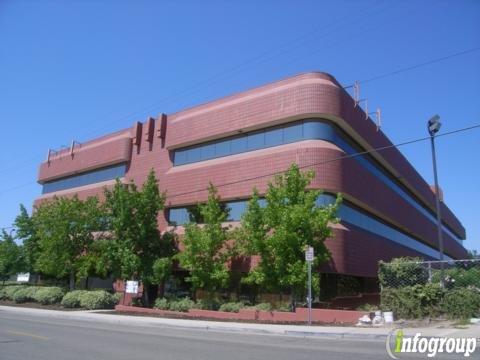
column 311, row 129
column 347, row 213
column 86, row 178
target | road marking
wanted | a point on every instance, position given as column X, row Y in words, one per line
column 27, row 334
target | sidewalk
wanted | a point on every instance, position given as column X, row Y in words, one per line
column 337, row 332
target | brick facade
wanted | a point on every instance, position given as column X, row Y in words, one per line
column 354, row 251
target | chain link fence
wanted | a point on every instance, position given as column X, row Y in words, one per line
column 451, row 274
column 415, row 289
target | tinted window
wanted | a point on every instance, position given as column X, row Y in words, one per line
column 208, row 151
column 293, row 133
column 256, row 141
column 193, row 155
column 237, row 208
column 180, row 157
column 86, row 178
column 317, row 130
column 274, row 137
column 238, row 145
column 222, row 148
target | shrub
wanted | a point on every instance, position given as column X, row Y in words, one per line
column 263, row 307
column 72, row 299
column 459, row 276
column 462, row 303
column 412, row 302
column 25, row 294
column 367, row 307
column 182, row 305
column 9, row 291
column 205, row 304
column 49, row 295
column 400, row 272
column 162, row 304
column 117, row 296
column 97, row 299
column 137, row 301
column 283, row 306
column 232, row 307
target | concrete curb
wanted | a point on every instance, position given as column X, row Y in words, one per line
column 330, row 332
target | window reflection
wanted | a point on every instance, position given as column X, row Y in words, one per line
column 347, row 213
column 86, row 178
column 309, row 129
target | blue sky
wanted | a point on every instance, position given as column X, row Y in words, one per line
column 79, row 69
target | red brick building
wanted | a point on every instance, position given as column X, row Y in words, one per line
column 237, row 142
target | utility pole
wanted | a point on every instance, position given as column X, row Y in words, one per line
column 434, row 125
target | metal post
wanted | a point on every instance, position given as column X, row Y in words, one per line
column 439, row 215
column 429, row 272
column 309, row 292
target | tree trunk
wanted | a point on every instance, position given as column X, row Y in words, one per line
column 149, row 292
column 293, row 305
column 72, row 281
column 161, row 289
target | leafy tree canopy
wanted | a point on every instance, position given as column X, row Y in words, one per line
column 66, row 229
column 11, row 261
column 279, row 232
column 206, row 249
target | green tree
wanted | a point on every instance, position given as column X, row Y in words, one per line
column 66, row 230
column 136, row 249
column 206, row 249
column 279, row 233
column 11, row 261
column 26, row 232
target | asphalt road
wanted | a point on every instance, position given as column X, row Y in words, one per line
column 32, row 337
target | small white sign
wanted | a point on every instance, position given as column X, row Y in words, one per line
column 132, row 287
column 309, row 254
column 25, row 277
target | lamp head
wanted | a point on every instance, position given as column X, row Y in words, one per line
column 434, row 125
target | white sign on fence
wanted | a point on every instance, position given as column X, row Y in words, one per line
column 132, row 287
column 25, row 277
column 309, row 254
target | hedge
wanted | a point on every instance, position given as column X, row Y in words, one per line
column 430, row 300
column 463, row 303
column 72, row 299
column 232, row 307
column 49, row 295
column 182, row 305
column 90, row 300
column 8, row 292
column 25, row 294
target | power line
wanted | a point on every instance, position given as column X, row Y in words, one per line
column 241, row 66
column 331, row 160
column 304, row 166
column 349, row 156
column 378, row 77
column 429, row 62
column 235, row 69
column 231, row 71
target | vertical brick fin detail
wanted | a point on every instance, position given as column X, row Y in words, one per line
column 162, row 131
column 137, row 133
column 150, row 125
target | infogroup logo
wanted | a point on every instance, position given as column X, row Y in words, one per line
column 398, row 344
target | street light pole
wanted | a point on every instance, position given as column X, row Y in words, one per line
column 433, row 127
